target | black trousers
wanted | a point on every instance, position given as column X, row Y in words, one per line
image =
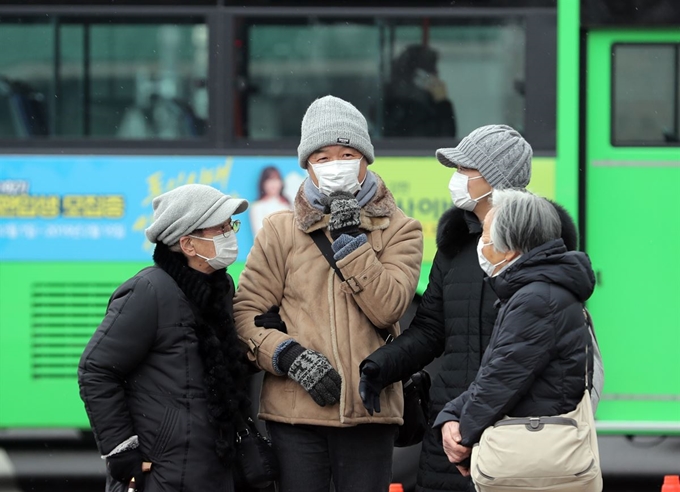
column 356, row 459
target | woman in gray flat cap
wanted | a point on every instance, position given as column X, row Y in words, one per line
column 457, row 312
column 162, row 377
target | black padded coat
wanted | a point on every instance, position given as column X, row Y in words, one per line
column 454, row 320
column 156, row 390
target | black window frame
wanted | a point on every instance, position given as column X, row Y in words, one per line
column 61, row 145
column 628, row 13
column 612, row 95
column 540, row 79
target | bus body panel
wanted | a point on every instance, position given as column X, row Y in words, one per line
column 632, row 233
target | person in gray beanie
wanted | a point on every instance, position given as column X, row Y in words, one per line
column 168, row 338
column 457, row 311
column 308, row 326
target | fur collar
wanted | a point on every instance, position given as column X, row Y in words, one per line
column 455, row 230
column 458, row 227
column 568, row 232
column 375, row 214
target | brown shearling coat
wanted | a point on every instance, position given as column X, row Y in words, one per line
column 337, row 319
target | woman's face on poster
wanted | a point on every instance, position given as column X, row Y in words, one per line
column 273, row 186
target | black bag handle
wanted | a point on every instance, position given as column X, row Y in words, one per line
column 324, row 245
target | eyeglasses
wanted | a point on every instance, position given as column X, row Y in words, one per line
column 224, row 228
column 232, row 226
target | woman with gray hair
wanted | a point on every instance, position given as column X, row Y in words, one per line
column 535, row 358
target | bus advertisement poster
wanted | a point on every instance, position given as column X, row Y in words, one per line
column 96, row 208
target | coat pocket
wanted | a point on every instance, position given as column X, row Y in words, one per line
column 165, row 431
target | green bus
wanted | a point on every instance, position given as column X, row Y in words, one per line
column 103, row 107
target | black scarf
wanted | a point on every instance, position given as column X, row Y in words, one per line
column 225, row 372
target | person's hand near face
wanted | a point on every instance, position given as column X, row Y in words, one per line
column 437, row 88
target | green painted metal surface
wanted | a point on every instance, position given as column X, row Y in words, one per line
column 567, row 104
column 632, row 233
column 48, row 312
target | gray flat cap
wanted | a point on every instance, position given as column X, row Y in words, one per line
column 498, row 152
column 187, row 208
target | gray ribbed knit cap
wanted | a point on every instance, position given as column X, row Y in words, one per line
column 498, row 152
column 332, row 121
column 187, row 208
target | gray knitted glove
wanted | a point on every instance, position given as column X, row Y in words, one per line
column 345, row 214
column 314, row 373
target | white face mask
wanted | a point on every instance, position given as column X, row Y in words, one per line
column 458, row 186
column 226, row 250
column 338, row 176
column 485, row 264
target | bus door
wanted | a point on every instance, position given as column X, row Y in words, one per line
column 632, row 223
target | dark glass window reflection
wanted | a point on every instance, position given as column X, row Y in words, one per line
column 419, row 78
column 133, row 79
column 646, row 94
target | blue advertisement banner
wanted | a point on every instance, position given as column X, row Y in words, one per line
column 95, row 208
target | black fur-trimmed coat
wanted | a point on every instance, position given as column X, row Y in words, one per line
column 454, row 321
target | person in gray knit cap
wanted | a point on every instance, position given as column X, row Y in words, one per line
column 168, row 337
column 308, row 326
column 457, row 312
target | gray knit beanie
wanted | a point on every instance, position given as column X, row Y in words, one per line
column 498, row 152
column 332, row 121
column 190, row 207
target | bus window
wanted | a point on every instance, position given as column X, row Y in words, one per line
column 415, row 78
column 645, row 94
column 25, row 78
column 122, row 79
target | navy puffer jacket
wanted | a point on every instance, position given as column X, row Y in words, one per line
column 536, row 359
column 454, row 323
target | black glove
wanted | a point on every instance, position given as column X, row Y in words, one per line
column 345, row 214
column 126, row 465
column 271, row 319
column 313, row 372
column 370, row 385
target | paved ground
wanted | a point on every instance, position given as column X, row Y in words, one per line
column 630, row 465
column 628, row 485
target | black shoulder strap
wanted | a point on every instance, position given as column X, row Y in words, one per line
column 324, row 246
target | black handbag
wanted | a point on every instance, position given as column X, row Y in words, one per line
column 416, row 409
column 256, row 464
column 416, row 405
column 416, row 388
